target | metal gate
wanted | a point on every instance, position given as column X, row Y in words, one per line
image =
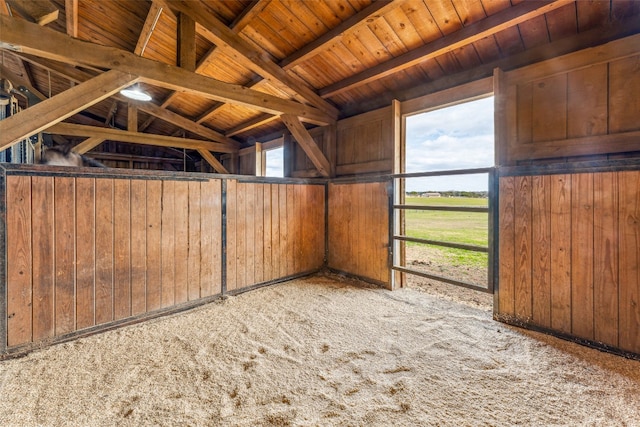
column 400, row 237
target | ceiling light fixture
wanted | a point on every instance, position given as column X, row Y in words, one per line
column 134, row 92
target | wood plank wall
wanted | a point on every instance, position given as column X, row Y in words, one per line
column 85, row 252
column 273, row 231
column 581, row 104
column 358, row 229
column 570, row 254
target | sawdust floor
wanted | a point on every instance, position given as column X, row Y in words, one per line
column 323, row 351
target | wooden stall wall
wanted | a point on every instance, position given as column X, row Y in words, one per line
column 364, row 143
column 273, row 231
column 569, row 255
column 581, row 104
column 298, row 164
column 358, row 230
column 85, row 252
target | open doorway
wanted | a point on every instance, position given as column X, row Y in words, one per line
column 449, row 158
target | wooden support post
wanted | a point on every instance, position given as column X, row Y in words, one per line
column 398, row 279
column 132, row 118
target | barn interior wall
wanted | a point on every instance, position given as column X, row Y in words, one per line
column 569, row 229
column 87, row 251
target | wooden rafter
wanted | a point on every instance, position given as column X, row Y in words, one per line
column 42, row 12
column 257, row 61
column 71, row 12
column 88, row 144
column 305, row 140
column 215, row 163
column 40, row 116
column 70, row 129
column 486, row 27
column 29, row 38
column 147, row 29
column 243, row 20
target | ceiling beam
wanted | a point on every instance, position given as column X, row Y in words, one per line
column 88, row 144
column 71, row 12
column 186, row 42
column 306, row 141
column 486, row 27
column 215, row 163
column 147, row 29
column 42, row 12
column 247, row 15
column 111, row 134
column 376, row 9
column 22, row 36
column 34, row 119
column 250, row 57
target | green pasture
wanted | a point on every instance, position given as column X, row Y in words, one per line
column 456, row 227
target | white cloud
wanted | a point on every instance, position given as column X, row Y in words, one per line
column 458, row 137
column 275, row 162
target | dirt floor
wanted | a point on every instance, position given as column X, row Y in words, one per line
column 323, row 351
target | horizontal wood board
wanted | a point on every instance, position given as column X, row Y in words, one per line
column 569, row 251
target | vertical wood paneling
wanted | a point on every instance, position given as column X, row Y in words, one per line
column 582, row 228
column 181, row 272
column 267, row 269
column 524, row 107
column 42, row 206
column 168, row 243
column 249, row 211
column 587, row 96
column 284, row 234
column 64, row 218
column 85, row 252
column 541, row 245
column 104, row 251
column 195, row 258
column 19, row 251
column 211, row 238
column 122, row 248
column 154, row 245
column 624, row 86
column 506, row 258
column 241, row 236
column 629, row 185
column 290, row 229
column 232, row 209
column 275, row 232
column 560, row 256
column 138, row 247
column 259, row 238
column 549, row 109
column 605, row 275
column 524, row 264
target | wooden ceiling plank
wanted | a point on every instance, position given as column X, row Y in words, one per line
column 71, row 12
column 307, row 143
column 88, row 145
column 476, row 31
column 22, row 36
column 215, row 163
column 242, row 21
column 111, row 134
column 53, row 110
column 147, row 29
column 248, row 56
column 42, row 12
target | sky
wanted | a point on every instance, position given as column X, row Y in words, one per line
column 457, row 137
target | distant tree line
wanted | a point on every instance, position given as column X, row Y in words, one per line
column 451, row 193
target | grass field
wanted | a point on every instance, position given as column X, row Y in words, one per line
column 456, row 227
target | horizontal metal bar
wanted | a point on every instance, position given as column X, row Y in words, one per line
column 449, row 280
column 443, row 173
column 443, row 208
column 474, row 248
